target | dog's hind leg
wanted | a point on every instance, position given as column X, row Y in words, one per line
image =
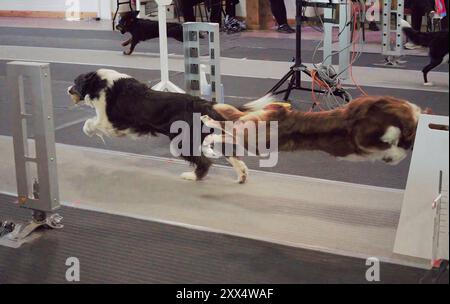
column 434, row 63
column 202, row 165
column 241, row 169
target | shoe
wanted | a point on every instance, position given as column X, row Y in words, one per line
column 373, row 27
column 285, row 29
column 233, row 25
column 412, row 46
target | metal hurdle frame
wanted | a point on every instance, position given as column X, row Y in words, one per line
column 193, row 60
column 38, row 193
column 392, row 51
column 440, row 231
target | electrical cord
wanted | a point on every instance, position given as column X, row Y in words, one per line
column 326, row 76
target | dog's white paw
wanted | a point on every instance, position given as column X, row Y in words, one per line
column 190, row 176
column 89, row 128
column 241, row 169
column 428, row 84
column 243, row 175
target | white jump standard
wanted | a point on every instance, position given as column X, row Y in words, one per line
column 165, row 84
column 195, row 78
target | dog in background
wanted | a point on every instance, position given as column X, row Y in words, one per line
column 367, row 129
column 124, row 106
column 437, row 42
column 143, row 29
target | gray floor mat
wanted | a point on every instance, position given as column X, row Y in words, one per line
column 116, row 249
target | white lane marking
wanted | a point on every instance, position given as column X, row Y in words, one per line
column 367, row 76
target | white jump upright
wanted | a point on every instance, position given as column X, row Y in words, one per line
column 165, row 84
column 344, row 37
column 197, row 66
column 37, row 190
column 423, row 229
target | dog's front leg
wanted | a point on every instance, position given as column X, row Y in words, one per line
column 89, row 127
column 132, row 47
column 125, row 43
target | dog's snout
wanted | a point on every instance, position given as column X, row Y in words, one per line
column 72, row 91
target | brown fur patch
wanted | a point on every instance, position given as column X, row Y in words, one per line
column 356, row 128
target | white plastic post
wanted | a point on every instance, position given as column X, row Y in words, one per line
column 344, row 38
column 138, row 8
column 104, row 9
column 328, row 38
column 416, row 228
column 165, row 84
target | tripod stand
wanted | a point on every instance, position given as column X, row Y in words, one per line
column 294, row 76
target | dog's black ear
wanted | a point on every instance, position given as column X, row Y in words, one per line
column 90, row 79
column 93, row 84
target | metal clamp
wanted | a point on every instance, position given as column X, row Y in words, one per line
column 21, row 232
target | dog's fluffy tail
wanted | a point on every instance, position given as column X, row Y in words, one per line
column 418, row 38
column 259, row 104
column 232, row 113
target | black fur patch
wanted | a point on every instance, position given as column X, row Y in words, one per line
column 89, row 84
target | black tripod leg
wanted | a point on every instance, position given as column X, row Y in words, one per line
column 290, row 86
column 281, row 82
column 114, row 18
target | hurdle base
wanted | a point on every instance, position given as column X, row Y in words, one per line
column 25, row 233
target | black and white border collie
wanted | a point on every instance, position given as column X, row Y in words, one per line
column 124, row 106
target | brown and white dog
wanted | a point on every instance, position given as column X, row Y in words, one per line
column 367, row 129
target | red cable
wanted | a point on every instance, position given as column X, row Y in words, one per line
column 354, row 50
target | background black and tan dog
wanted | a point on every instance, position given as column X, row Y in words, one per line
column 125, row 106
column 143, row 29
column 437, row 42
